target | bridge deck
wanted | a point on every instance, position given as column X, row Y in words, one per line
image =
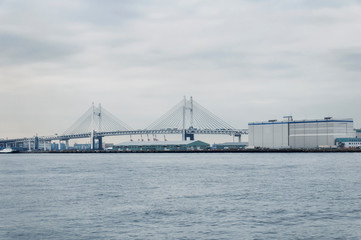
column 235, row 132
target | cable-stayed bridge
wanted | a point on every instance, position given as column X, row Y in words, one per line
column 187, row 118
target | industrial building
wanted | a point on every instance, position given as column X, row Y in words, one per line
column 161, row 146
column 299, row 133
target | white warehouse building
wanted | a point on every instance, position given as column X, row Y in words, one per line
column 299, row 133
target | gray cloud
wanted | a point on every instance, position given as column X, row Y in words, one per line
column 348, row 59
column 17, row 49
column 108, row 13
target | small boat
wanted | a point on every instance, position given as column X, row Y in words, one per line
column 6, row 150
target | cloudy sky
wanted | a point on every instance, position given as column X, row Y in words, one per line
column 243, row 60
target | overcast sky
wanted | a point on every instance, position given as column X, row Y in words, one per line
column 242, row 60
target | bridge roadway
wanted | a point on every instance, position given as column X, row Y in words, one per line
column 235, row 132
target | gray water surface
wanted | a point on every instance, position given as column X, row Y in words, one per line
column 181, row 196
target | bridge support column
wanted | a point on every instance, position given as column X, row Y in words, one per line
column 188, row 135
column 67, row 144
column 92, row 142
column 100, row 143
column 36, row 144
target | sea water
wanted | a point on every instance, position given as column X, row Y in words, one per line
column 180, row 196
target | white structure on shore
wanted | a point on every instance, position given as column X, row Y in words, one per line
column 299, row 133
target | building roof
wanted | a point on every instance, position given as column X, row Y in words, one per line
column 232, row 144
column 303, row 121
column 161, row 143
column 348, row 139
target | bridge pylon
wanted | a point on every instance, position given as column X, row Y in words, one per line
column 94, row 123
column 189, row 118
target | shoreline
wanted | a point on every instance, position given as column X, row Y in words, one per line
column 206, row 151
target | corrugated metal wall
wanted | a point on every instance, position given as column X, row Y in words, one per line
column 317, row 133
column 299, row 134
column 268, row 135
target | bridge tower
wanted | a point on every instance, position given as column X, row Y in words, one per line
column 186, row 107
column 189, row 118
column 93, row 124
column 92, row 131
column 98, row 114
